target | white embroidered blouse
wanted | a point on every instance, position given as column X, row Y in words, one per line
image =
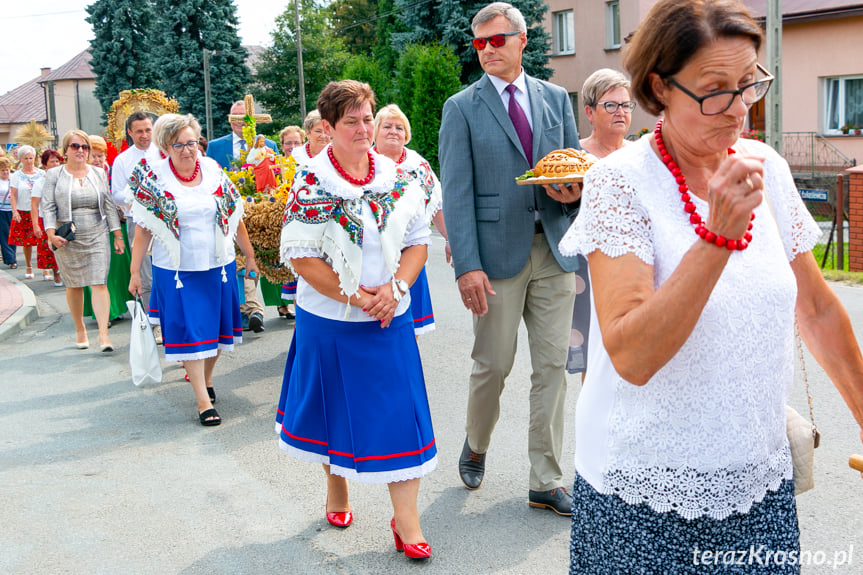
column 359, row 231
column 706, row 434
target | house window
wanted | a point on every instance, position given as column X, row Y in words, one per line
column 563, row 33
column 844, row 98
column 612, row 25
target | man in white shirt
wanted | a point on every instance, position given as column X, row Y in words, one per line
column 139, row 126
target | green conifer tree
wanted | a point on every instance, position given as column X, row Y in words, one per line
column 448, row 22
column 435, row 78
column 187, row 27
column 324, row 57
column 122, row 47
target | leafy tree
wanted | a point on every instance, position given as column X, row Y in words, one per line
column 355, row 23
column 435, row 78
column 188, row 27
column 324, row 56
column 404, row 77
column 388, row 23
column 448, row 22
column 368, row 69
column 122, row 47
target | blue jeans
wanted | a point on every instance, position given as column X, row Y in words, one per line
column 9, row 252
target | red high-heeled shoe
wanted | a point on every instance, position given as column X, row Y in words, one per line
column 411, row 550
column 339, row 518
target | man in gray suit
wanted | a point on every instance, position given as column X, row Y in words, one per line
column 504, row 244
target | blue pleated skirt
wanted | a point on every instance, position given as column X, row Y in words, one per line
column 289, row 291
column 354, row 397
column 421, row 305
column 200, row 318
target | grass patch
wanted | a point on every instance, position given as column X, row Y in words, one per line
column 835, row 275
column 818, row 252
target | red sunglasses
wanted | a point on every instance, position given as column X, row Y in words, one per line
column 496, row 41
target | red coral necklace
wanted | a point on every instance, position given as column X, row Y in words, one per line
column 689, row 206
column 401, row 158
column 181, row 178
column 346, row 175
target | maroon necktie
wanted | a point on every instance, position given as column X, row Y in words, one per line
column 522, row 127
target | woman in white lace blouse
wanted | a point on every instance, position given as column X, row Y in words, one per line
column 699, row 251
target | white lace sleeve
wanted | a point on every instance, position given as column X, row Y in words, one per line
column 611, row 218
column 800, row 233
column 297, row 253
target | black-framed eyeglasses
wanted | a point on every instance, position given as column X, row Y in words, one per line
column 496, row 40
column 718, row 102
column 178, row 147
column 611, row 107
column 76, row 146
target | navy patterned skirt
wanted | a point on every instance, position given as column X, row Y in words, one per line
column 610, row 536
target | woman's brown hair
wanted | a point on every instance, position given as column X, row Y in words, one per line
column 671, row 34
column 337, row 98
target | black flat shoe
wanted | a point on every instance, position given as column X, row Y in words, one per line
column 209, row 417
column 558, row 500
column 471, row 467
column 212, row 393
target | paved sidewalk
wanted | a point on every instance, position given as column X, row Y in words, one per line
column 17, row 305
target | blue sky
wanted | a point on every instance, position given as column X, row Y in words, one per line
column 50, row 32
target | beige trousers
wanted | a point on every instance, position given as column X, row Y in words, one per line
column 543, row 295
column 253, row 304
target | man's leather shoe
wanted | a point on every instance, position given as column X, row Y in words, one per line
column 471, row 467
column 245, row 319
column 558, row 500
column 256, row 322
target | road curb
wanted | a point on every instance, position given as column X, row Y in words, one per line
column 24, row 315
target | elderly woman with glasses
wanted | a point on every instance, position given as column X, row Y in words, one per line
column 189, row 205
column 317, row 139
column 608, row 105
column 699, row 251
column 78, row 193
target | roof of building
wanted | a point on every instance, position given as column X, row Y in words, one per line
column 804, row 9
column 78, row 68
column 24, row 103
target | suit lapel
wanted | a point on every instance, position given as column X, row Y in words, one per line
column 537, row 104
column 492, row 99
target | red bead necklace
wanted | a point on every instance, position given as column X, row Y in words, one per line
column 181, row 178
column 689, row 206
column 347, row 176
column 309, row 149
column 401, row 158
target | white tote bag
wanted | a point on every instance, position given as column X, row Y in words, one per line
column 143, row 354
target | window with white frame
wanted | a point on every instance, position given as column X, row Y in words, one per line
column 563, row 33
column 844, row 99
column 612, row 24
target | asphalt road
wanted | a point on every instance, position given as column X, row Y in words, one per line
column 97, row 476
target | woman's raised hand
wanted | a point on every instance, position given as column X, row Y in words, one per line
column 733, row 192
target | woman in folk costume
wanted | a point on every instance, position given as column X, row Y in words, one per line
column 392, row 134
column 356, row 234
column 195, row 213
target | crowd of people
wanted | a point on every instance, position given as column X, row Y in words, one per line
column 652, row 279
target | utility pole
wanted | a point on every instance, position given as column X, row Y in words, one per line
column 300, row 61
column 773, row 105
column 207, row 101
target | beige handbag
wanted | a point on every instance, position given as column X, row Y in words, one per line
column 803, row 435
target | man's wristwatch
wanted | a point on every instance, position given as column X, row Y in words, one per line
column 402, row 285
